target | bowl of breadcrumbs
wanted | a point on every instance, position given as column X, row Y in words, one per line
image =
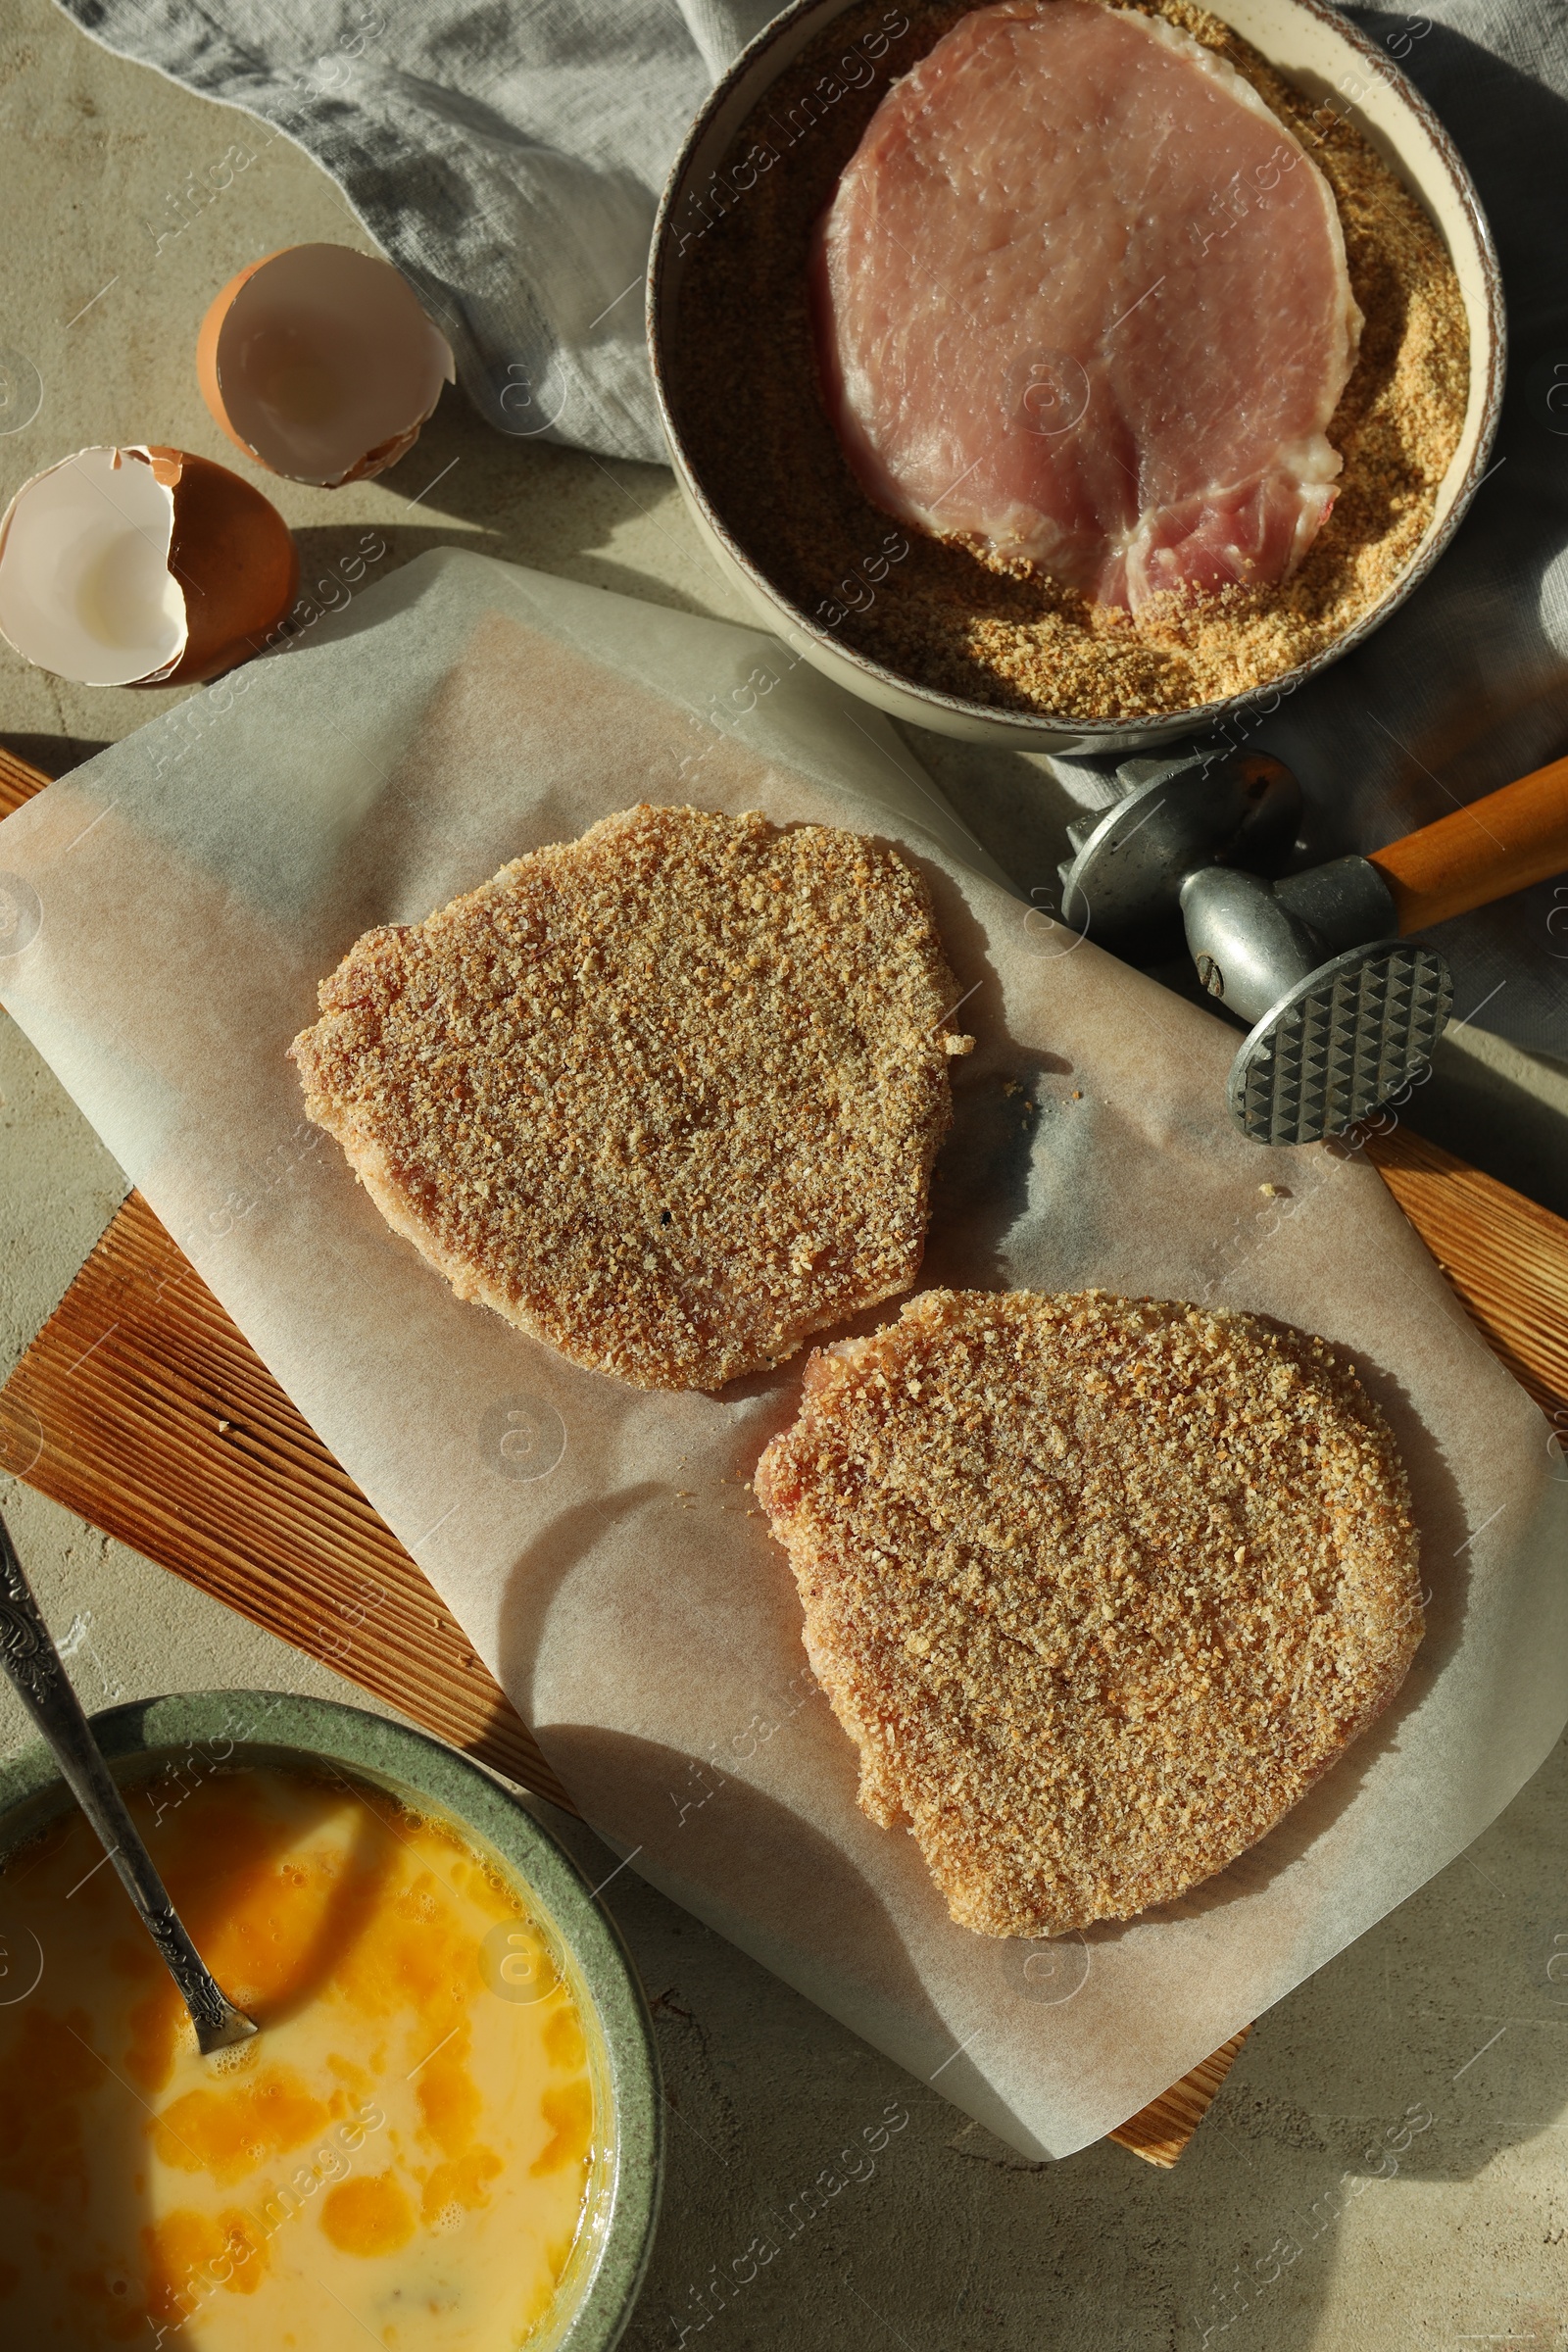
column 981, row 642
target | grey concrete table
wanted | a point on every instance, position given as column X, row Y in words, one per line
column 1446, row 2026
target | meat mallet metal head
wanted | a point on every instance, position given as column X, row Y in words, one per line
column 1176, row 814
column 1343, row 1012
column 1345, row 1009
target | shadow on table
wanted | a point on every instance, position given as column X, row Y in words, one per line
column 1423, row 2053
column 53, row 755
column 527, row 502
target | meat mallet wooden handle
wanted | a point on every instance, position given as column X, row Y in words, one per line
column 1507, row 841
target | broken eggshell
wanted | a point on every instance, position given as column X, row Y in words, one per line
column 320, row 365
column 141, row 567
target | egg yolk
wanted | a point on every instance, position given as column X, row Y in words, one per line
column 407, row 2149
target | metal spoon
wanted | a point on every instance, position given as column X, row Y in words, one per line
column 39, row 1679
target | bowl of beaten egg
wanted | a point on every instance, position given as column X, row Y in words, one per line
column 446, row 2136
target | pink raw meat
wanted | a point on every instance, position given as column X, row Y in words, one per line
column 1082, row 298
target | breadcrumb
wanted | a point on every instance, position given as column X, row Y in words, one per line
column 992, row 629
column 667, row 1097
column 1098, row 1587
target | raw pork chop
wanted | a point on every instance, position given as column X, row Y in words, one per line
column 1082, row 298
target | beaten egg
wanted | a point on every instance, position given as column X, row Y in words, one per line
column 404, row 2152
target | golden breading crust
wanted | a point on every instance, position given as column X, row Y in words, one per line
column 1097, row 1586
column 667, row 1097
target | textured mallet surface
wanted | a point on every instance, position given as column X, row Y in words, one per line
column 1098, row 1587
column 667, row 1097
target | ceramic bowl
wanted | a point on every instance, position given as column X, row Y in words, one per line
column 1324, row 56
column 202, row 1730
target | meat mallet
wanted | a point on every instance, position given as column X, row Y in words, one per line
column 1344, row 1007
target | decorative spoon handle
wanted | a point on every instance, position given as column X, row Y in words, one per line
column 39, row 1679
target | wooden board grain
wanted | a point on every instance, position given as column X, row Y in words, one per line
column 1160, row 2131
column 1506, row 1256
column 141, row 1407
column 18, row 782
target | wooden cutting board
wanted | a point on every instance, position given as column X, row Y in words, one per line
column 141, row 1407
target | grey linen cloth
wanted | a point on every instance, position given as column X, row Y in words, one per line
column 508, row 156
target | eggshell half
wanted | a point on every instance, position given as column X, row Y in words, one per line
column 141, row 567
column 320, row 365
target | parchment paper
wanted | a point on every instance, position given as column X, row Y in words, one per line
column 173, row 905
